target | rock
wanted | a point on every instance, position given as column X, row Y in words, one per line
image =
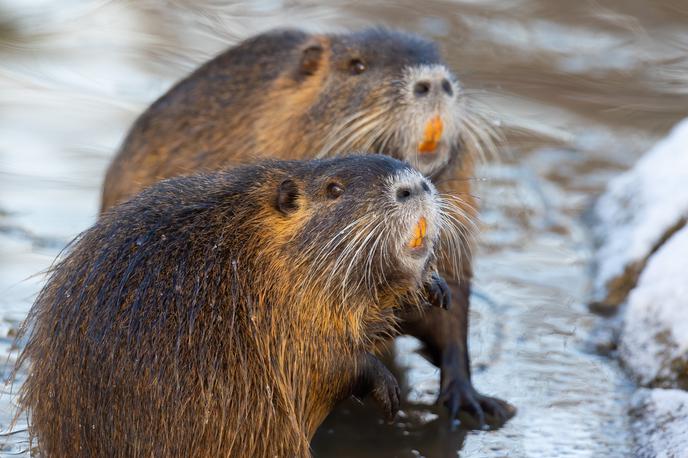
column 659, row 420
column 654, row 337
column 639, row 211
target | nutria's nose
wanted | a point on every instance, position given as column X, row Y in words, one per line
column 407, row 191
column 425, row 87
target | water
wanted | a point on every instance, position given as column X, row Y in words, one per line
column 581, row 89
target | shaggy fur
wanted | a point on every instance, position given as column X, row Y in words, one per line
column 294, row 95
column 206, row 317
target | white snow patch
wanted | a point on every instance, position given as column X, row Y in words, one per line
column 640, row 205
column 660, row 423
column 654, row 340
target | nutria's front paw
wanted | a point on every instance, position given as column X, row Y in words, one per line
column 386, row 394
column 457, row 396
column 437, row 292
column 377, row 381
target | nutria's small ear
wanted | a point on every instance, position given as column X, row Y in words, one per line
column 287, row 196
column 310, row 59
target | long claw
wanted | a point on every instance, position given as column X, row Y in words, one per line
column 457, row 397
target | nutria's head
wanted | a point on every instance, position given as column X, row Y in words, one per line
column 289, row 94
column 356, row 225
column 390, row 93
column 348, row 229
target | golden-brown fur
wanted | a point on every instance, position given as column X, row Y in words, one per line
column 204, row 317
column 293, row 95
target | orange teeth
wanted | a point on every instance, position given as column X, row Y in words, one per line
column 431, row 136
column 419, row 233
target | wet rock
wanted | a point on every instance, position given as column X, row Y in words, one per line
column 659, row 419
column 654, row 339
column 639, row 211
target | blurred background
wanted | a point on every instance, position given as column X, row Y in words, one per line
column 580, row 90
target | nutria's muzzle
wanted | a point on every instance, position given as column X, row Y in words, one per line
column 432, row 83
column 433, row 89
column 415, row 201
column 431, row 116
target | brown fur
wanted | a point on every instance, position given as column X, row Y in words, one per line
column 290, row 95
column 197, row 320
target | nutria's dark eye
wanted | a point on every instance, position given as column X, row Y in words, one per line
column 357, row 66
column 334, row 190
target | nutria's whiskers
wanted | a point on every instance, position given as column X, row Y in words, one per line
column 349, row 132
column 462, row 207
column 479, row 131
column 457, row 230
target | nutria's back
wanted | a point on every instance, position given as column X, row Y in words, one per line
column 173, row 326
column 293, row 95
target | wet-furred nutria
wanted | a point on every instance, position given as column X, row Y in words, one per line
column 224, row 314
column 292, row 95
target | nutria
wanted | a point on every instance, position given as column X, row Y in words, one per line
column 290, row 94
column 224, row 314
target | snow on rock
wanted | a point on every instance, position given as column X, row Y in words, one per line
column 639, row 210
column 659, row 419
column 654, row 338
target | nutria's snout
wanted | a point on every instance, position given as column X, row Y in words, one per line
column 434, row 119
column 432, row 89
column 409, row 190
column 432, row 85
column 416, row 202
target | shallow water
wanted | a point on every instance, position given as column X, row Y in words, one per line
column 581, row 89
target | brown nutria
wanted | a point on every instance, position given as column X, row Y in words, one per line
column 290, row 94
column 224, row 314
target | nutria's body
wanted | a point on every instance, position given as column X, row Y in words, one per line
column 294, row 95
column 173, row 327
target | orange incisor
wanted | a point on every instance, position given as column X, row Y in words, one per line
column 431, row 136
column 419, row 233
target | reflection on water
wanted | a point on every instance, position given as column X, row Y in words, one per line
column 581, row 88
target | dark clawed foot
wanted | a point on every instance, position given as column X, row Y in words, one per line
column 437, row 292
column 386, row 394
column 457, row 396
column 377, row 381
